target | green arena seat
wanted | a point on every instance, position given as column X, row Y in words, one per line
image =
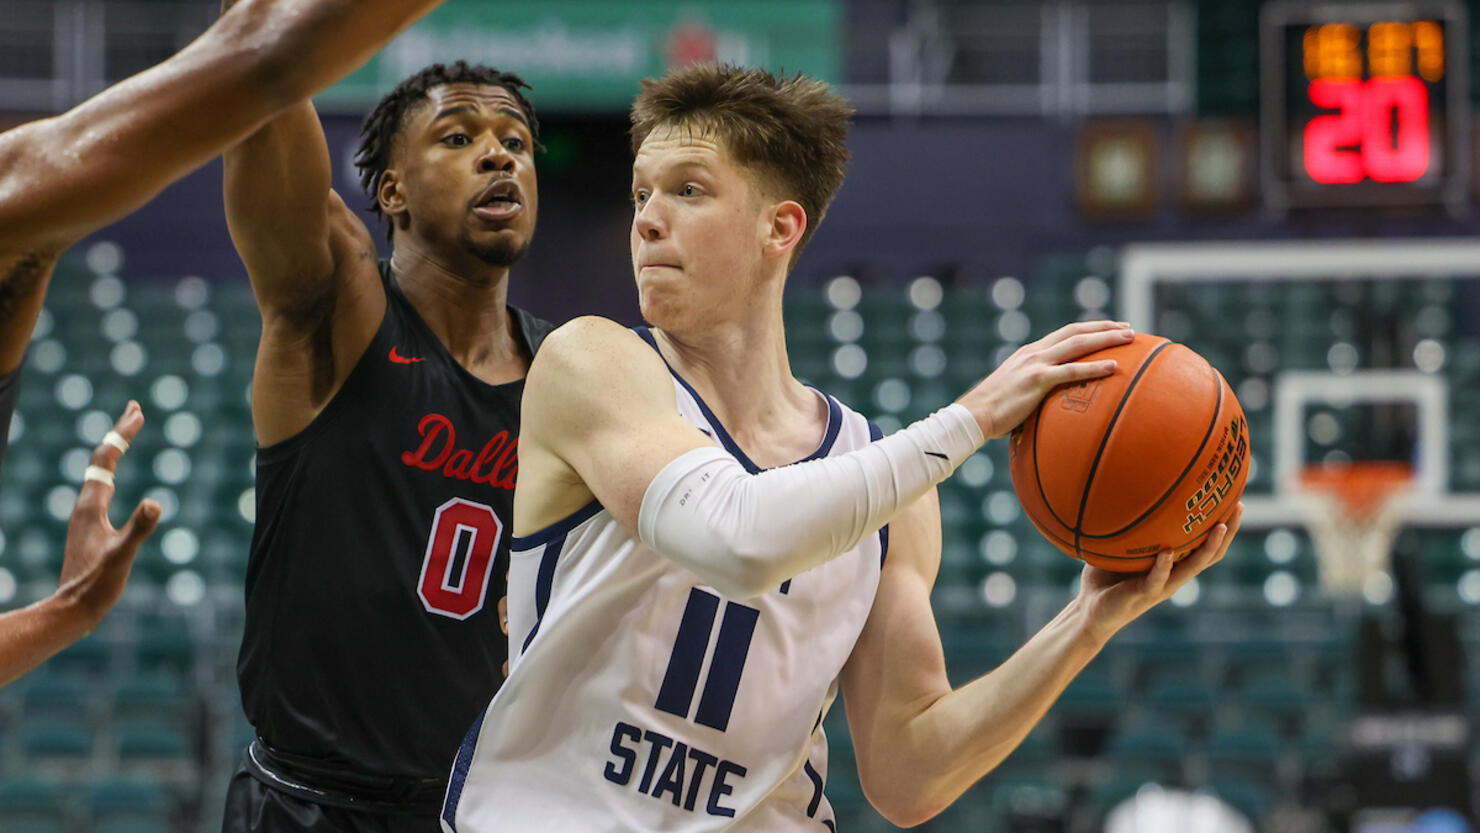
column 1157, row 750
column 56, row 738
column 27, row 797
column 160, row 824
column 972, row 811
column 1187, row 697
column 1038, row 751
column 1275, row 695
column 54, row 695
column 970, row 652
column 166, row 644
column 1051, row 565
column 20, row 825
column 1333, row 664
column 129, row 800
column 143, row 740
column 69, row 288
column 885, row 307
column 810, row 365
column 1443, row 560
column 1319, row 747
column 35, row 553
column 1023, row 800
column 224, row 548
column 1123, row 781
column 1251, row 798
column 1246, row 659
column 1091, row 696
column 148, row 694
column 1170, row 655
column 90, row 654
column 1249, row 749
column 151, row 564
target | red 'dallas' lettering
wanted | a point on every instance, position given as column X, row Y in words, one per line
column 496, row 464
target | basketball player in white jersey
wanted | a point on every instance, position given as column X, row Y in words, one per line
column 703, row 561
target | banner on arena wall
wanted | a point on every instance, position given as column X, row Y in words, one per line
column 590, row 55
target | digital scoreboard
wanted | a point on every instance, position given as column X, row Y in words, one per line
column 1365, row 104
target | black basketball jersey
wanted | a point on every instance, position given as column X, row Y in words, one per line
column 379, row 555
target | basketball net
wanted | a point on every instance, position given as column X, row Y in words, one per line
column 1353, row 512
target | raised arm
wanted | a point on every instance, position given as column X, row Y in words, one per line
column 279, row 206
column 599, row 413
column 919, row 744
column 312, row 264
column 63, row 177
column 603, row 402
column 69, row 175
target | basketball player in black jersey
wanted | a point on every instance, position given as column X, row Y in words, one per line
column 386, row 404
column 64, row 177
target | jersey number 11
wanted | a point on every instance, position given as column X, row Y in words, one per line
column 727, row 662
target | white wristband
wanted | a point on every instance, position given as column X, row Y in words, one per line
column 744, row 533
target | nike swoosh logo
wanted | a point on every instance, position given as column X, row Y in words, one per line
column 706, row 433
column 400, row 359
column 938, row 454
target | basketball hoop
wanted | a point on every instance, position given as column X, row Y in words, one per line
column 1353, row 512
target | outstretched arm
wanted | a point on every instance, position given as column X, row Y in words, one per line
column 95, row 567
column 69, row 175
column 64, row 177
column 919, row 744
column 311, row 262
column 599, row 412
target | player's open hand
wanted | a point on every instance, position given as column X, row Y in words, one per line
column 98, row 557
column 1004, row 399
column 1114, row 600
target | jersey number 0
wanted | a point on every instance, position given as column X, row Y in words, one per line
column 466, row 528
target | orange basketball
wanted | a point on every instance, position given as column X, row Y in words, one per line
column 1150, row 458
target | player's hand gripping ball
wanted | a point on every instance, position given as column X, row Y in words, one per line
column 1150, row 458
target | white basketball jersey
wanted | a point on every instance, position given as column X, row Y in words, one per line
column 640, row 699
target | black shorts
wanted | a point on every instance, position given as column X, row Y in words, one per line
column 253, row 807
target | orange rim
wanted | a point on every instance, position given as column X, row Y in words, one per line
column 1361, row 487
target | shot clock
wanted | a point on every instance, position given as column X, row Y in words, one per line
column 1365, row 104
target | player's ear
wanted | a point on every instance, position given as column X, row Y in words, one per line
column 389, row 194
column 787, row 224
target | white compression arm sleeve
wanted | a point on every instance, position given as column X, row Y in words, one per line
column 747, row 533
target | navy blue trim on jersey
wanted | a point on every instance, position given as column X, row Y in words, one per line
column 875, row 433
column 834, row 414
column 543, row 583
column 460, row 773
column 558, row 529
column 816, row 779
